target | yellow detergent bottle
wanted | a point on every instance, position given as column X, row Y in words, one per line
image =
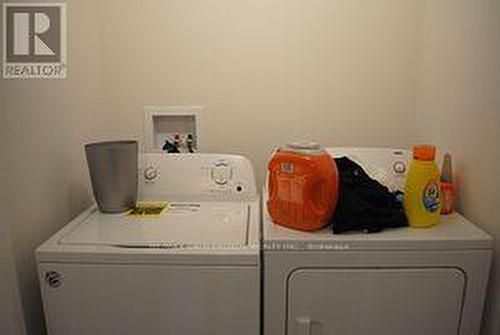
column 422, row 192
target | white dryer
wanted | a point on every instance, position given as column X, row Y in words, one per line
column 193, row 270
column 401, row 281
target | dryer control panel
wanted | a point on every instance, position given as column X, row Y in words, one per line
column 388, row 166
column 209, row 176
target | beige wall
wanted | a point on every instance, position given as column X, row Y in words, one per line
column 459, row 109
column 267, row 71
column 43, row 125
column 11, row 317
column 342, row 72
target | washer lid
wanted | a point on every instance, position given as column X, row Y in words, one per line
column 203, row 225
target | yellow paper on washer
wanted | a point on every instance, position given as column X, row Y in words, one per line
column 148, row 209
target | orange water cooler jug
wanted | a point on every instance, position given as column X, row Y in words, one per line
column 303, row 186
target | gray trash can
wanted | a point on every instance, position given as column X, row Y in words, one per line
column 113, row 172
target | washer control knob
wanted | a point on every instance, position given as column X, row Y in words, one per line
column 221, row 173
column 150, row 173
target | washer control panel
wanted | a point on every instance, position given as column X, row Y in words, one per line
column 213, row 176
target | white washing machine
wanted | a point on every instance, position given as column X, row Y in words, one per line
column 195, row 269
column 400, row 282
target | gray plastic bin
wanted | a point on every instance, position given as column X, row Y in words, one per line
column 113, row 172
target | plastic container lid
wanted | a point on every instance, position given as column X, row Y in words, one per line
column 424, row 152
column 305, row 148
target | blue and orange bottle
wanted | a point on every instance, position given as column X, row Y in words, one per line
column 422, row 199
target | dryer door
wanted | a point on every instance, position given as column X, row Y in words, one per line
column 375, row 301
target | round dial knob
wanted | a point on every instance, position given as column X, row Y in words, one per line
column 399, row 167
column 221, row 173
column 150, row 173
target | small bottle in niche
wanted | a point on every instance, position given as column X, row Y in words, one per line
column 190, row 143
column 177, row 143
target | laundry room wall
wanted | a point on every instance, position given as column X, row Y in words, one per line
column 11, row 316
column 341, row 72
column 43, row 125
column 458, row 108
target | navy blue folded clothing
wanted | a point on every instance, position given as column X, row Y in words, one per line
column 364, row 204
